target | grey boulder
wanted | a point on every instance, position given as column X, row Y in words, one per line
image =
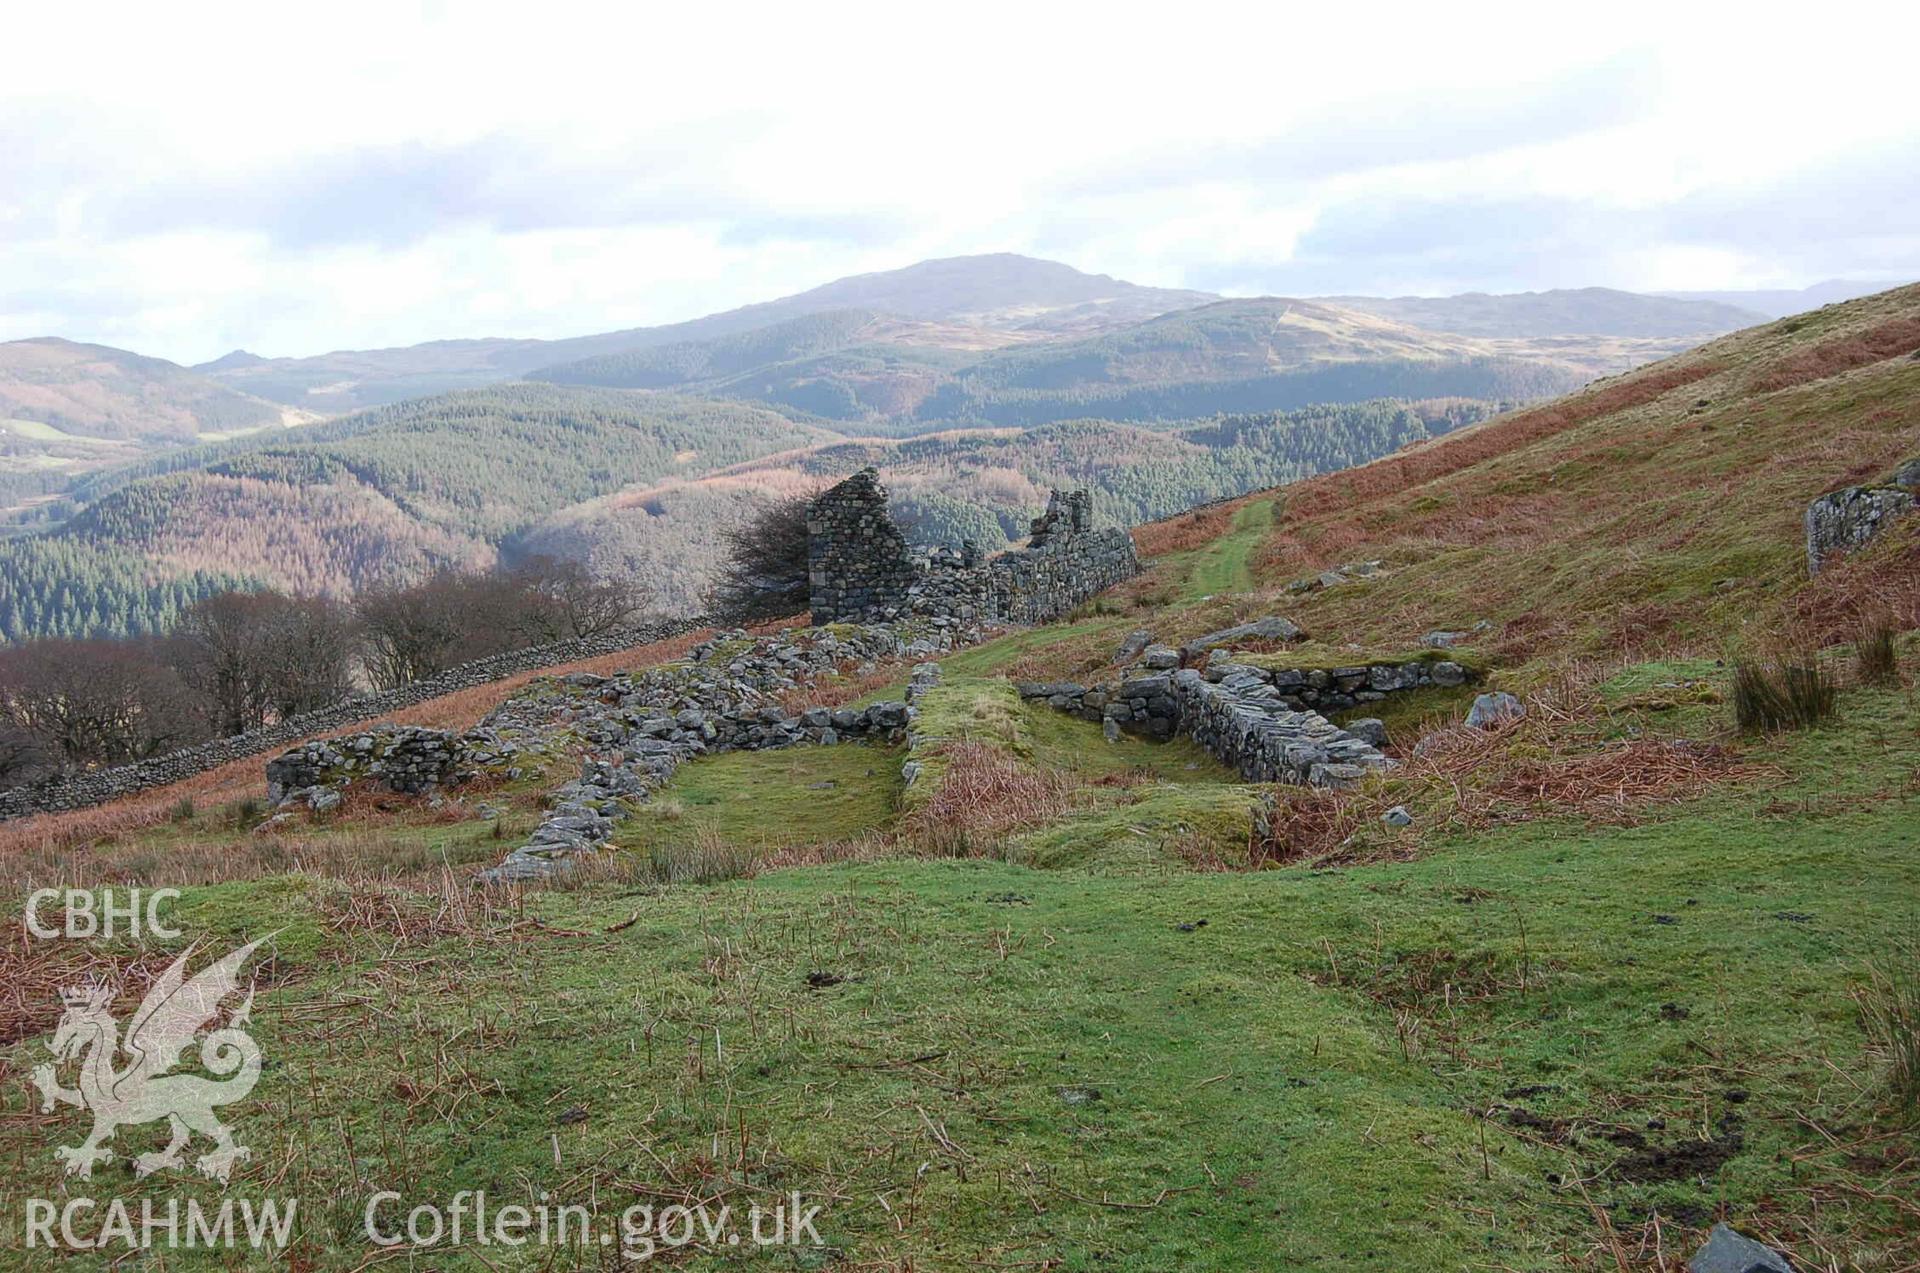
column 1727, row 1252
column 1491, row 709
column 1271, row 628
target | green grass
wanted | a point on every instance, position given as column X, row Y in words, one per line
column 1294, row 1069
column 1226, row 564
column 786, row 796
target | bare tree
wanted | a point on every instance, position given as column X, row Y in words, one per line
column 412, row 632
column 309, row 650
column 96, row 702
column 562, row 600
column 260, row 656
column 764, row 575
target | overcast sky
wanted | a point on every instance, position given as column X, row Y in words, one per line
column 187, row 179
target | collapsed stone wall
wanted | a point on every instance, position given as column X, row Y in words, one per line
column 79, row 791
column 641, row 728
column 860, row 568
column 1243, row 722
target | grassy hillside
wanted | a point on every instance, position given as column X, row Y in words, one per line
column 87, row 394
column 1617, row 980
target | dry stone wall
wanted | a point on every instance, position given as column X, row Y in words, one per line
column 638, row 728
column 98, row 786
column 860, row 568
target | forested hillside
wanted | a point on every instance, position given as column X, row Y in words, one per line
column 985, row 485
column 639, row 486
column 385, row 496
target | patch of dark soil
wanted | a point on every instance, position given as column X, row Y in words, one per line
column 1681, row 1161
column 1529, row 1091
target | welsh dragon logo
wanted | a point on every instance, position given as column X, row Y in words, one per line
column 174, row 1012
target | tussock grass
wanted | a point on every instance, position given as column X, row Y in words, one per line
column 1889, row 1001
column 1876, row 659
column 1782, row 688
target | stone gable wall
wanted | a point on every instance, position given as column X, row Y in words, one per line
column 860, row 568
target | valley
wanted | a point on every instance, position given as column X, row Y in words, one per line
column 131, row 486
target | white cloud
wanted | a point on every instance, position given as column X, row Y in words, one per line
column 353, row 175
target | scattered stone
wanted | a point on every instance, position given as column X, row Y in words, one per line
column 1489, row 710
column 1438, row 640
column 1370, row 730
column 1075, row 1095
column 821, row 980
column 1728, row 1252
column 1137, row 640
column 1161, row 658
column 323, row 799
column 1674, row 1012
column 1397, row 816
column 1271, row 628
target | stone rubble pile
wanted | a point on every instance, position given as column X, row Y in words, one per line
column 410, row 759
column 642, row 726
column 1249, row 727
column 1340, row 688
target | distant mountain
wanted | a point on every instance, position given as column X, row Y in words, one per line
column 881, row 373
column 1003, row 290
column 1585, row 311
column 1781, row 302
column 990, row 298
column 1267, row 354
column 890, row 366
column 229, row 362
column 94, row 392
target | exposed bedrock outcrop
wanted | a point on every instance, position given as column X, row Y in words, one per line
column 1848, row 519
